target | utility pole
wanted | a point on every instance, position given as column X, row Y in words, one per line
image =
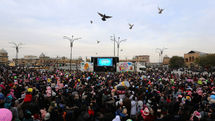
column 17, row 47
column 71, row 45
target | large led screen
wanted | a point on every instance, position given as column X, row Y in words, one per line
column 105, row 62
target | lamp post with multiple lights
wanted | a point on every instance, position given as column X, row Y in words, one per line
column 114, row 40
column 160, row 51
column 72, row 39
column 118, row 44
column 17, row 47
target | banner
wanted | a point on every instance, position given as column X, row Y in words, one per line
column 125, row 67
column 87, row 67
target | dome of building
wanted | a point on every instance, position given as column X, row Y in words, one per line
column 42, row 55
column 2, row 51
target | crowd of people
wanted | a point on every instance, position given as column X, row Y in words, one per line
column 60, row 95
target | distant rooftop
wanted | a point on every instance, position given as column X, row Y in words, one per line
column 193, row 51
column 3, row 51
column 30, row 57
column 42, row 55
column 141, row 55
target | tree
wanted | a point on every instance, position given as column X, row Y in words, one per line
column 207, row 61
column 176, row 62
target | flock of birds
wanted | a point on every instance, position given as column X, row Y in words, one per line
column 105, row 17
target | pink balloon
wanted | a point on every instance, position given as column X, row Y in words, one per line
column 5, row 115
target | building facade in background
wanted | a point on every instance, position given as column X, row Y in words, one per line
column 142, row 58
column 3, row 57
column 43, row 60
column 191, row 57
column 166, row 60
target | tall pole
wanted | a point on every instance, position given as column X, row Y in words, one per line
column 17, row 51
column 114, row 46
column 118, row 44
column 114, row 41
column 71, row 45
column 120, row 51
column 160, row 51
column 17, row 47
column 117, row 49
column 57, row 62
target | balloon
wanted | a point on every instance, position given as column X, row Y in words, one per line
column 5, row 114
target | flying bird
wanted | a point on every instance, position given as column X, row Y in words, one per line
column 104, row 17
column 91, row 21
column 131, row 26
column 160, row 10
column 97, row 41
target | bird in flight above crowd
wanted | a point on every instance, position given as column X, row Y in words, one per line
column 160, row 10
column 131, row 26
column 104, row 17
column 97, row 41
column 91, row 22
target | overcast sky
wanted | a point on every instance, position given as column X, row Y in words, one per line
column 41, row 24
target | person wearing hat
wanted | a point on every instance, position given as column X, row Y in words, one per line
column 195, row 115
column 146, row 114
column 121, row 115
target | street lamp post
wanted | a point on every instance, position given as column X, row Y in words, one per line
column 118, row 44
column 121, row 51
column 160, row 51
column 114, row 41
column 57, row 62
column 71, row 45
column 17, row 47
